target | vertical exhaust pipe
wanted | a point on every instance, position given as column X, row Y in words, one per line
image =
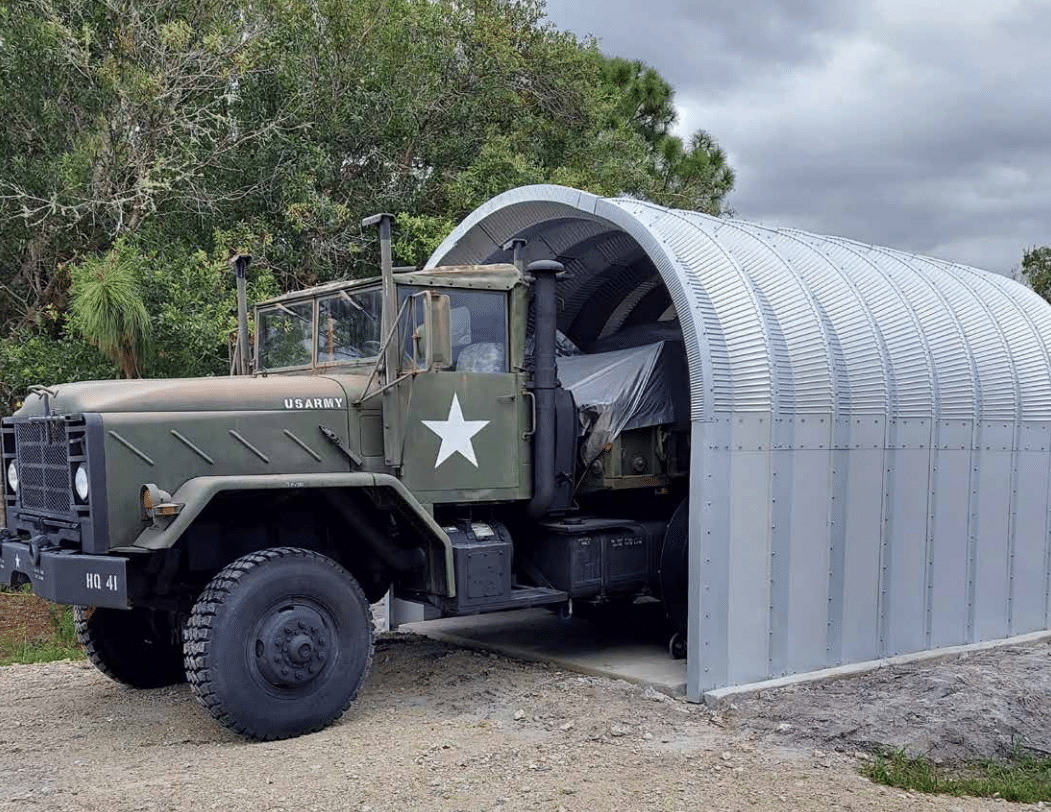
column 517, row 248
column 391, row 416
column 545, row 382
column 243, row 361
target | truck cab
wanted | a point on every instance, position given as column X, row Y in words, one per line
column 475, row 386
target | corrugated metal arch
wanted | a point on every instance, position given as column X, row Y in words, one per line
column 871, row 440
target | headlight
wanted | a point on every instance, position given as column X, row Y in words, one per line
column 80, row 482
column 12, row 476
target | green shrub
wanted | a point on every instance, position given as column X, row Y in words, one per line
column 28, row 357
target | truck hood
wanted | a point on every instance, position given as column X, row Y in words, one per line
column 228, row 394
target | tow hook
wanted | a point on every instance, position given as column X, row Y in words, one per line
column 37, row 545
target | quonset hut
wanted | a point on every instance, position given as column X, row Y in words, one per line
column 870, row 429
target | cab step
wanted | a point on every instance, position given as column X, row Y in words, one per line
column 520, row 597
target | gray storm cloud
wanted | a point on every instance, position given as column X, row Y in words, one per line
column 913, row 123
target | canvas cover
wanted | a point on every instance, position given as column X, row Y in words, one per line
column 618, row 390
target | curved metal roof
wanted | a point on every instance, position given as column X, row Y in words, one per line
column 871, row 439
column 781, row 320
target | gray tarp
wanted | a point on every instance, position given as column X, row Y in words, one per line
column 618, row 390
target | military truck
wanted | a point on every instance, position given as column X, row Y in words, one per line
column 427, row 432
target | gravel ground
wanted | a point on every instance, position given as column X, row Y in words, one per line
column 440, row 728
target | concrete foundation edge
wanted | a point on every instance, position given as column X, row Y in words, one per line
column 719, row 696
column 677, row 691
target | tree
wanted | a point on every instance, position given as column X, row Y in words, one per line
column 107, row 307
column 1036, row 270
column 191, row 297
column 687, row 175
column 144, row 135
column 643, row 99
column 112, row 111
column 29, row 357
column 297, row 117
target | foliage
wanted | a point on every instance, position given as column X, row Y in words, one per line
column 30, row 357
column 418, row 235
column 1036, row 270
column 1022, row 777
column 644, row 98
column 107, row 307
column 147, row 140
column 192, row 299
column 111, row 112
column 686, row 175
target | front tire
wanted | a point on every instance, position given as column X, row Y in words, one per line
column 279, row 643
column 137, row 647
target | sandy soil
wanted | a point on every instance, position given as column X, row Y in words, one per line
column 439, row 728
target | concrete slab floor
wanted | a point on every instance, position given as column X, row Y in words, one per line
column 630, row 645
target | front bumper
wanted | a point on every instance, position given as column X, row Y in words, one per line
column 64, row 576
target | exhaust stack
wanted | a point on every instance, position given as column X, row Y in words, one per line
column 545, row 383
column 243, row 362
column 391, row 416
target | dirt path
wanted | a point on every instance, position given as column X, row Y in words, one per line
column 435, row 729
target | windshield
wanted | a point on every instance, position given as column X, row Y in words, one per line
column 349, row 326
column 286, row 335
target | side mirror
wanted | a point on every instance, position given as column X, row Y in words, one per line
column 437, row 336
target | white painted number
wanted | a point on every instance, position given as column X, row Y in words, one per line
column 94, row 581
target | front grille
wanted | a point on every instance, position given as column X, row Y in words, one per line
column 42, row 449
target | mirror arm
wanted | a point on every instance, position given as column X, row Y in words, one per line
column 384, row 388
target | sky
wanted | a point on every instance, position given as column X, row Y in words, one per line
column 923, row 125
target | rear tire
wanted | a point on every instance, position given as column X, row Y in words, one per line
column 137, row 647
column 279, row 643
column 677, row 646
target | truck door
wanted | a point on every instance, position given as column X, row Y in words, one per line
column 464, row 426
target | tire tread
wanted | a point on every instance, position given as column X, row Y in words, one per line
column 134, row 671
column 198, row 636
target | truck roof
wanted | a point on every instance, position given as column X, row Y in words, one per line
column 501, row 276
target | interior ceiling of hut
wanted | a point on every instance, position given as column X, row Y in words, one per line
column 612, row 296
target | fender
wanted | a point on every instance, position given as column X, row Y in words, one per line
column 196, row 493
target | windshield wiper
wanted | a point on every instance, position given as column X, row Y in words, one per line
column 357, row 305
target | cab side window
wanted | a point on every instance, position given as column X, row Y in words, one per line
column 478, row 323
column 478, row 326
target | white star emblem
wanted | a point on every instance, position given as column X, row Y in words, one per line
column 18, row 562
column 456, row 434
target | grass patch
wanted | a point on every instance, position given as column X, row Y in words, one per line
column 1022, row 777
column 55, row 640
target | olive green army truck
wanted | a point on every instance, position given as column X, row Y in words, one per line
column 429, row 433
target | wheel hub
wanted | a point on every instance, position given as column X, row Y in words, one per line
column 292, row 647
